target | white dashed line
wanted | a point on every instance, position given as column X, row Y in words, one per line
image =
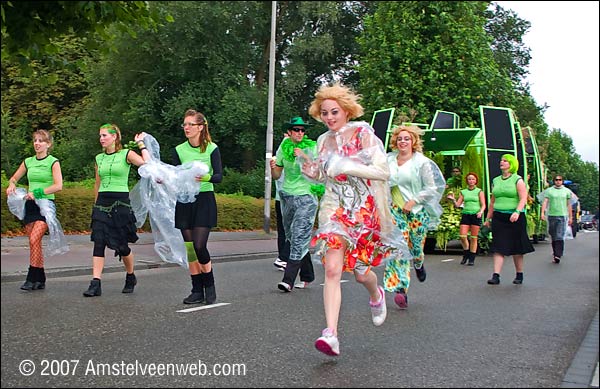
column 203, row 307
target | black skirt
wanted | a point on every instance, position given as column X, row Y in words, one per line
column 510, row 238
column 32, row 213
column 113, row 221
column 200, row 213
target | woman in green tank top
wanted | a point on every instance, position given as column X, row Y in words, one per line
column 473, row 202
column 45, row 178
column 113, row 221
column 507, row 215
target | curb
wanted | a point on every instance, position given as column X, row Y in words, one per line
column 583, row 371
column 140, row 265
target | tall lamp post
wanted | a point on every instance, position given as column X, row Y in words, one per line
column 269, row 151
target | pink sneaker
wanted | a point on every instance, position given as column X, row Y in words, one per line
column 328, row 343
column 378, row 309
column 401, row 300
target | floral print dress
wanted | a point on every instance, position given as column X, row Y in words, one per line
column 354, row 209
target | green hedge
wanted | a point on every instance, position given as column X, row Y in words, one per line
column 74, row 208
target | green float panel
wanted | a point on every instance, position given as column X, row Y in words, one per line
column 449, row 142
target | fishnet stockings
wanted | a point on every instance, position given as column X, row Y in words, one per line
column 36, row 231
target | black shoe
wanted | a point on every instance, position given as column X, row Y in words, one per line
column 130, row 282
column 495, row 280
column 28, row 285
column 465, row 257
column 39, row 285
column 518, row 281
column 194, row 298
column 556, row 259
column 421, row 273
column 471, row 259
column 211, row 294
column 95, row 289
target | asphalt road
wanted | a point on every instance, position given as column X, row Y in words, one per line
column 457, row 332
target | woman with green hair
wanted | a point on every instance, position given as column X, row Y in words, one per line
column 507, row 215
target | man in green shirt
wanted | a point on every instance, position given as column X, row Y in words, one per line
column 556, row 207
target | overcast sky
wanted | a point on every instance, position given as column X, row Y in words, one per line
column 563, row 71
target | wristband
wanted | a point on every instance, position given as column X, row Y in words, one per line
column 38, row 193
column 141, row 145
column 489, row 219
column 205, row 178
column 143, row 148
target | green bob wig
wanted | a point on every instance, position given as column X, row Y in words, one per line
column 512, row 161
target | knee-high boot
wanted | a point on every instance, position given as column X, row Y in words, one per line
column 28, row 285
column 209, row 287
column 40, row 278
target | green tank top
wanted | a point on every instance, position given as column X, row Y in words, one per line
column 113, row 170
column 505, row 193
column 39, row 173
column 188, row 153
column 471, row 201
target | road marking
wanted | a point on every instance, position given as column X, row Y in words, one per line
column 340, row 282
column 448, row 260
column 202, row 307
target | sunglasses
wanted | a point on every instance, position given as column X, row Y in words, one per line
column 558, row 179
column 298, row 129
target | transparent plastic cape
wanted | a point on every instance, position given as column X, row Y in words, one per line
column 298, row 212
column 427, row 189
column 155, row 195
column 57, row 243
column 355, row 206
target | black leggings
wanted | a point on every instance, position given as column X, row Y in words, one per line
column 198, row 235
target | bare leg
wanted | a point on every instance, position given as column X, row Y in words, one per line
column 369, row 281
column 128, row 263
column 518, row 260
column 332, row 291
column 498, row 262
column 97, row 266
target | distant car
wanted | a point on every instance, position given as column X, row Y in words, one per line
column 588, row 222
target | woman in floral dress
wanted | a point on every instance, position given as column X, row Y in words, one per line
column 356, row 229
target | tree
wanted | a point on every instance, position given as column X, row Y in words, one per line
column 508, row 48
column 424, row 56
column 29, row 28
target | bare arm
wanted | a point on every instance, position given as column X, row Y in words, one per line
column 481, row 203
column 15, row 178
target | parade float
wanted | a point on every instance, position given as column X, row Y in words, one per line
column 477, row 150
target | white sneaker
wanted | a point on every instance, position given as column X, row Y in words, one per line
column 378, row 309
column 279, row 264
column 328, row 343
column 284, row 287
column 301, row 285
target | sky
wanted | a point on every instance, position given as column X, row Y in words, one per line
column 563, row 71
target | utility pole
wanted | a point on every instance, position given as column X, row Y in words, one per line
column 271, row 102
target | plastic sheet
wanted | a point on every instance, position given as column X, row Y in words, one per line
column 355, row 205
column 155, row 195
column 427, row 190
column 57, row 243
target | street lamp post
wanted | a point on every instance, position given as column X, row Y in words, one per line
column 269, row 151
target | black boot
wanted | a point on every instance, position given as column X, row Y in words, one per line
column 209, row 288
column 95, row 288
column 471, row 259
column 40, row 278
column 197, row 296
column 495, row 280
column 211, row 294
column 28, row 285
column 130, row 282
column 465, row 257
column 518, row 279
